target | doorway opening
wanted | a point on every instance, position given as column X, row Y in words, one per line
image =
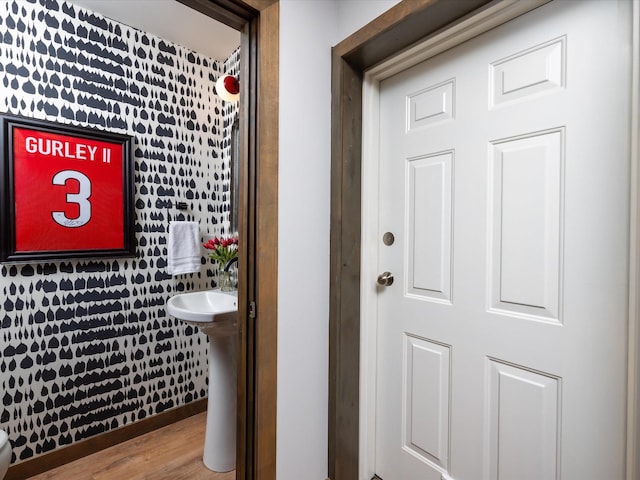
column 258, row 21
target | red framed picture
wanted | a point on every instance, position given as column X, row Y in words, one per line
column 67, row 192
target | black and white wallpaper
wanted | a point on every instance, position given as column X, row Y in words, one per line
column 87, row 346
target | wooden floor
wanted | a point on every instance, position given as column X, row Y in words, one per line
column 170, row 453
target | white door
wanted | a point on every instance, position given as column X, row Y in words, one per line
column 504, row 179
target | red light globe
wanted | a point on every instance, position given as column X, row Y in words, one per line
column 228, row 88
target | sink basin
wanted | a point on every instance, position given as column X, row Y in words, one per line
column 213, row 311
column 216, row 313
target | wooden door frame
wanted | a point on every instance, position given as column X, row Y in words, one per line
column 408, row 23
column 258, row 22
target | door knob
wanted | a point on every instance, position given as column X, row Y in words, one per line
column 385, row 279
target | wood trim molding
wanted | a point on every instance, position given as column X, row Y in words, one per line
column 394, row 31
column 403, row 25
column 231, row 13
column 266, row 244
column 344, row 307
column 49, row 461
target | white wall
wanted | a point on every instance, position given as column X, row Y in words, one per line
column 354, row 14
column 308, row 30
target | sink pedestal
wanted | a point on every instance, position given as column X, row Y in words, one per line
column 215, row 313
column 220, row 436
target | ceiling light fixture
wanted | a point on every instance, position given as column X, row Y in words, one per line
column 228, row 88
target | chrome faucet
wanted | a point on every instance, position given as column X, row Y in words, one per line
column 227, row 265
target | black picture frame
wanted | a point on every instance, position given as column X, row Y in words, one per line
column 67, row 192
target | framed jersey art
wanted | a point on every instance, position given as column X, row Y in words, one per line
column 67, row 192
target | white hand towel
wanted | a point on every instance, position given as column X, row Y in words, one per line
column 183, row 248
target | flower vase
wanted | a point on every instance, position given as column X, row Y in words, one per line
column 224, row 282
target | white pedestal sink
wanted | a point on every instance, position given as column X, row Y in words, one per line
column 216, row 314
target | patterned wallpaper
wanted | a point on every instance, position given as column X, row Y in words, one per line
column 87, row 346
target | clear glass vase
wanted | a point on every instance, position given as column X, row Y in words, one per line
column 224, row 281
